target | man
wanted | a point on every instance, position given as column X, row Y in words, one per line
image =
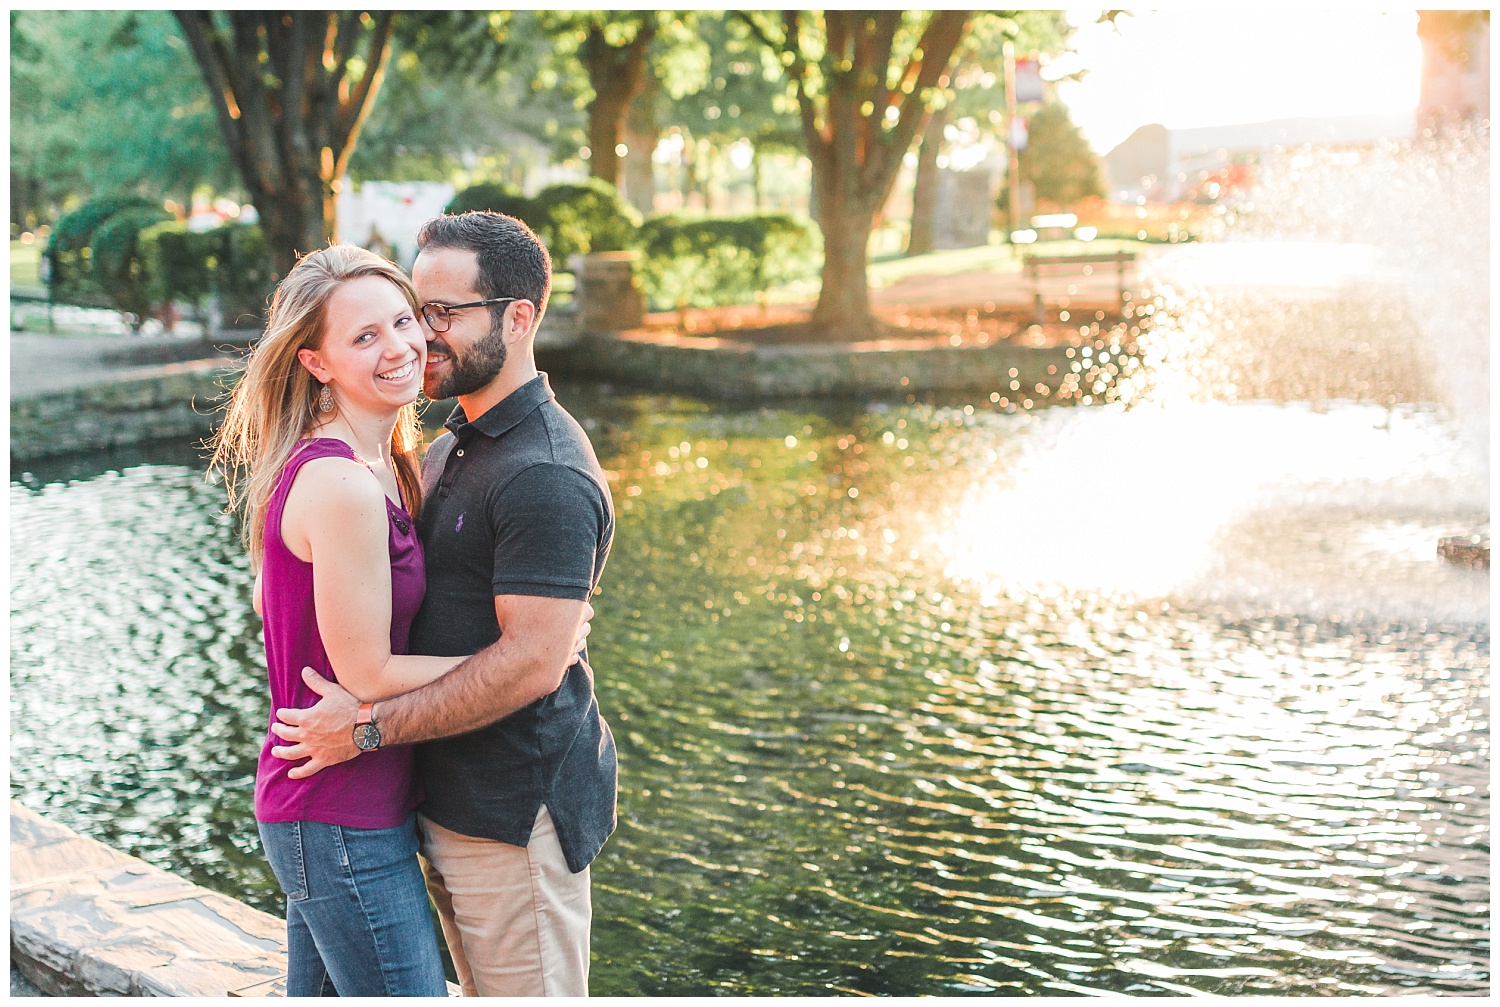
column 517, row 763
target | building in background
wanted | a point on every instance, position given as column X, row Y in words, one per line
column 1164, row 165
column 385, row 216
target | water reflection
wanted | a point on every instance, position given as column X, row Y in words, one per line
column 871, row 739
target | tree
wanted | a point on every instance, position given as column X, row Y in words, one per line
column 448, row 73
column 864, row 83
column 618, row 52
column 1058, row 161
column 612, row 47
column 743, row 95
column 978, row 92
column 73, row 138
column 291, row 90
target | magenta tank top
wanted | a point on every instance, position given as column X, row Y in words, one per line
column 374, row 790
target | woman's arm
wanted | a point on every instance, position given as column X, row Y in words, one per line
column 335, row 518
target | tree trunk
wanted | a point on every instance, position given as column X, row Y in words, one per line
column 288, row 109
column 641, row 134
column 297, row 225
column 924, row 192
column 606, row 124
column 617, row 74
column 858, row 125
column 843, row 312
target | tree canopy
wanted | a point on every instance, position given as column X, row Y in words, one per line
column 103, row 103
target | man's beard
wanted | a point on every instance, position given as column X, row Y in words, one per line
column 468, row 371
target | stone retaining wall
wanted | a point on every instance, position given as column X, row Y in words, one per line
column 180, row 400
column 87, row 920
column 729, row 369
column 128, row 407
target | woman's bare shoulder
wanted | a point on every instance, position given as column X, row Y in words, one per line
column 337, row 484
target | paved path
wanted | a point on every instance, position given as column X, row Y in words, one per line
column 45, row 363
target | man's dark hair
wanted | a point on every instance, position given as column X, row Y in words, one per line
column 512, row 262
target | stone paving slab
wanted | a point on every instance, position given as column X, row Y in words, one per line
column 89, row 920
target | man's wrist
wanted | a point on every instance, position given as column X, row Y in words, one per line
column 366, row 731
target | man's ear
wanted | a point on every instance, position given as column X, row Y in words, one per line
column 313, row 361
column 520, row 320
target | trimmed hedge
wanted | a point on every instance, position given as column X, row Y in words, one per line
column 569, row 218
column 70, row 249
column 583, row 217
column 491, row 196
column 229, row 261
column 120, row 269
column 700, row 262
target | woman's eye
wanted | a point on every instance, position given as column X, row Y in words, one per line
column 364, row 337
column 404, row 319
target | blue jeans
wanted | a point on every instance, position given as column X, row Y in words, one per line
column 357, row 916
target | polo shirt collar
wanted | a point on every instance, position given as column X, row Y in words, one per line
column 506, row 413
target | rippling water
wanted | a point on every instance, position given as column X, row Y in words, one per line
column 909, row 700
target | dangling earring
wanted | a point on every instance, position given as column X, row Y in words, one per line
column 325, row 401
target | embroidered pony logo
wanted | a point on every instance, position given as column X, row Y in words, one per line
column 460, row 526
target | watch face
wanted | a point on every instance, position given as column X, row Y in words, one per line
column 366, row 737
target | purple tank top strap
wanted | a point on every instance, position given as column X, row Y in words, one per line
column 304, row 452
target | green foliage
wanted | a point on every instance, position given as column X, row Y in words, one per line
column 436, row 114
column 1058, row 160
column 181, row 262
column 106, row 102
column 744, row 93
column 119, row 268
column 230, row 262
column 711, row 261
column 244, row 278
column 70, row 249
column 498, row 198
column 570, row 218
column 580, row 217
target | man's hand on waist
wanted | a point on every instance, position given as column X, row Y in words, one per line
column 322, row 734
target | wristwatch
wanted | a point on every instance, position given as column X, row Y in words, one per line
column 366, row 734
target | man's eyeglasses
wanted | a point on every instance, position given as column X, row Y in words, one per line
column 440, row 316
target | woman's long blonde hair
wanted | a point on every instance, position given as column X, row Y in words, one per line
column 273, row 406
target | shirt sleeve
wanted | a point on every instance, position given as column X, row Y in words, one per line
column 551, row 524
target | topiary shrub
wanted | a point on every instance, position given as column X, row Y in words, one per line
column 492, row 196
column 70, row 251
column 577, row 218
column 181, row 263
column 119, row 269
column 700, row 262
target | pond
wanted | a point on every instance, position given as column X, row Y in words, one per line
column 910, row 699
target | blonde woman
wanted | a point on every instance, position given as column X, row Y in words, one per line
column 319, row 446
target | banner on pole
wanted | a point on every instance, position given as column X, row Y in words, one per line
column 1029, row 85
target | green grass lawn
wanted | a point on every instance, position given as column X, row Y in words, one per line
column 24, row 260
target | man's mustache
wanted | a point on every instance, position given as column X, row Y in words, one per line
column 438, row 346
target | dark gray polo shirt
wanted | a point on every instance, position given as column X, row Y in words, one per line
column 516, row 503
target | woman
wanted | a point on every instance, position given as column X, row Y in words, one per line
column 319, row 444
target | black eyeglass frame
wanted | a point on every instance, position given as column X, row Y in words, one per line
column 448, row 309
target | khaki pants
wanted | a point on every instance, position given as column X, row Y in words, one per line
column 516, row 919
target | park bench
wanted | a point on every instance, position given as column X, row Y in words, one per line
column 1033, row 265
